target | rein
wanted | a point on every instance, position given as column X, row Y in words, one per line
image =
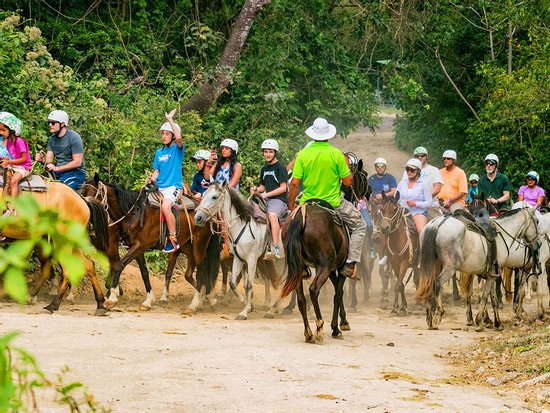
column 396, row 220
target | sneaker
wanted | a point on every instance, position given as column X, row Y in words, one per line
column 7, row 213
column 277, row 251
column 171, row 245
column 383, row 260
column 372, row 254
column 268, row 255
column 349, row 271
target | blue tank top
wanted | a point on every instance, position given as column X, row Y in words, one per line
column 223, row 175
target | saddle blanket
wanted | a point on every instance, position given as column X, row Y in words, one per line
column 189, row 204
column 34, row 183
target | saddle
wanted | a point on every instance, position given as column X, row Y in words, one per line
column 32, row 183
column 259, row 206
column 336, row 217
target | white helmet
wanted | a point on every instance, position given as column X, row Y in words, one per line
column 492, row 157
column 449, row 154
column 12, row 122
column 415, row 163
column 473, row 177
column 230, row 143
column 168, row 127
column 380, row 160
column 59, row 116
column 270, row 144
column 201, row 155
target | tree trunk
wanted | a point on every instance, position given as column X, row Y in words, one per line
column 209, row 92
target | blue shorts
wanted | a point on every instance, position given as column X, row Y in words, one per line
column 74, row 178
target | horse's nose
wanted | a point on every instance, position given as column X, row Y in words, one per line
column 199, row 219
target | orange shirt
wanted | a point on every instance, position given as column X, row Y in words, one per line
column 454, row 181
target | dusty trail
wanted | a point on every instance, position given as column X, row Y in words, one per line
column 163, row 361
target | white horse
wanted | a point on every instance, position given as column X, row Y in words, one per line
column 248, row 236
column 447, row 246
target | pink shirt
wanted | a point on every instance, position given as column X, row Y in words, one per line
column 15, row 149
column 531, row 195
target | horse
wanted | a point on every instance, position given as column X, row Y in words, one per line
column 447, row 245
column 401, row 242
column 312, row 239
column 72, row 206
column 379, row 240
column 135, row 220
column 248, row 235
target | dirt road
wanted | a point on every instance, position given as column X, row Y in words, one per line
column 161, row 361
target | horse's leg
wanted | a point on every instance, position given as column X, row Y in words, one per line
column 322, row 273
column 98, row 293
column 150, row 296
column 235, row 277
column 344, row 325
column 367, row 279
column 482, row 309
column 352, row 291
column 445, row 275
column 540, row 293
column 456, row 294
column 131, row 254
column 262, row 269
column 469, row 314
column 301, row 300
column 46, row 272
column 56, row 301
column 251, row 261
column 522, row 282
column 385, row 274
column 290, row 307
column 498, row 288
column 401, row 286
column 494, row 303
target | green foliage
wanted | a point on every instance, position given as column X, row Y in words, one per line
column 59, row 239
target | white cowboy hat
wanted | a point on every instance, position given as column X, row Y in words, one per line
column 321, row 130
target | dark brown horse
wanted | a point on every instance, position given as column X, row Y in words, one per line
column 312, row 239
column 400, row 246
column 137, row 222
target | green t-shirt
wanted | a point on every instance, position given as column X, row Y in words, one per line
column 320, row 166
column 495, row 188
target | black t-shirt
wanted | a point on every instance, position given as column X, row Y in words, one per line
column 271, row 177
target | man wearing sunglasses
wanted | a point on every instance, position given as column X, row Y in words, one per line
column 382, row 181
column 455, row 186
column 494, row 184
column 66, row 148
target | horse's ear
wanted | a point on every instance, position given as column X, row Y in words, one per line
column 96, row 179
column 481, row 196
column 397, row 195
column 384, row 196
column 224, row 184
column 360, row 165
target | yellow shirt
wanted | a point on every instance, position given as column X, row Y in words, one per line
column 454, row 181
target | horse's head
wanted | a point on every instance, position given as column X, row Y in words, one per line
column 360, row 185
column 211, row 203
column 389, row 213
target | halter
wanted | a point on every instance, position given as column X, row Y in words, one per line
column 394, row 224
column 519, row 238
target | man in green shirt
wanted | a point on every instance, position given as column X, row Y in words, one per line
column 320, row 166
column 494, row 184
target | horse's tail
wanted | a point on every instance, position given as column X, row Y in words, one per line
column 465, row 283
column 428, row 263
column 293, row 251
column 99, row 222
column 507, row 281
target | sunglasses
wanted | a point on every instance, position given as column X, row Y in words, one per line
column 420, row 155
column 410, row 169
column 379, row 165
column 529, row 178
column 448, row 159
column 490, row 163
column 473, row 182
column 52, row 122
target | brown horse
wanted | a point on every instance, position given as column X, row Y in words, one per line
column 133, row 219
column 401, row 243
column 71, row 206
column 311, row 238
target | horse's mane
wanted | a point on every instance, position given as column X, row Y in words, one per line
column 126, row 197
column 511, row 212
column 241, row 205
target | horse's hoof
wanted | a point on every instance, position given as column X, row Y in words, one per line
column 470, row 323
column 319, row 338
column 48, row 310
column 240, row 317
column 499, row 327
column 480, row 328
column 402, row 312
column 144, row 308
column 287, row 311
column 393, row 312
column 269, row 316
column 352, row 310
column 310, row 340
column 433, row 328
column 100, row 312
column 188, row 311
column 345, row 327
column 383, row 305
column 338, row 335
column 109, row 305
column 163, row 303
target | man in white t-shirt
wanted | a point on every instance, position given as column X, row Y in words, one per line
column 432, row 176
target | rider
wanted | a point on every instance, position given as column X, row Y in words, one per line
column 168, row 176
column 273, row 189
column 19, row 159
column 455, row 186
column 431, row 175
column 382, row 181
column 495, row 185
column 474, row 188
column 227, row 168
column 415, row 194
column 532, row 193
column 320, row 167
column 199, row 184
column 67, row 148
